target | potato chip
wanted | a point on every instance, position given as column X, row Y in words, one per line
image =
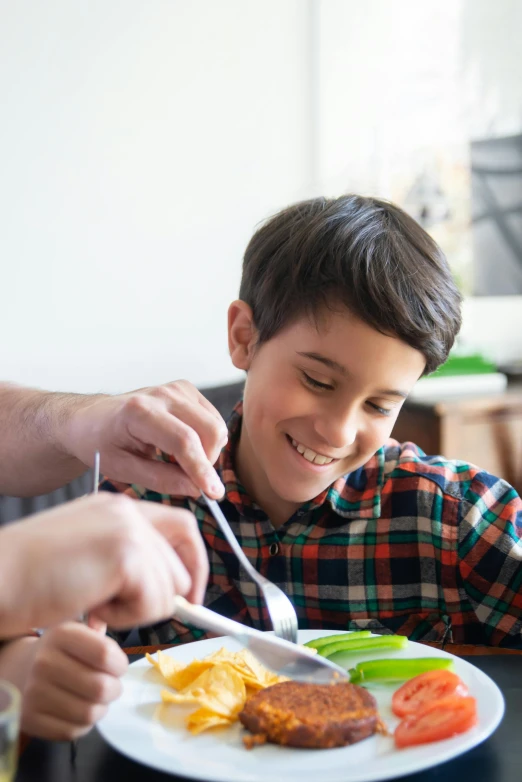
column 178, row 697
column 219, row 684
column 166, row 665
column 183, row 678
column 152, row 661
column 203, row 719
column 219, row 689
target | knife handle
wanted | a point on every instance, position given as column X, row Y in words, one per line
column 202, row 617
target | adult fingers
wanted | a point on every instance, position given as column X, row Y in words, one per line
column 150, row 422
column 180, row 529
column 68, row 674
column 58, row 703
column 88, row 647
column 187, row 388
column 154, row 574
column 44, row 726
column 211, row 429
column 154, row 475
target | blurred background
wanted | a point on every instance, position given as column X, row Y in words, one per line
column 142, row 141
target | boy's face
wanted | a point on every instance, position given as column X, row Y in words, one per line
column 320, row 400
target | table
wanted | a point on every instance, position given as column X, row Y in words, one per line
column 499, row 759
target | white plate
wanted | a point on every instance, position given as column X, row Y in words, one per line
column 140, row 727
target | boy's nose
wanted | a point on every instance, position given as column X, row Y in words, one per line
column 338, row 431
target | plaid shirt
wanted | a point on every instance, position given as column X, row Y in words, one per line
column 408, row 543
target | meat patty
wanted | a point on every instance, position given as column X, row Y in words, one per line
column 317, row 716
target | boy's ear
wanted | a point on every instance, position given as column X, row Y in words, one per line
column 242, row 334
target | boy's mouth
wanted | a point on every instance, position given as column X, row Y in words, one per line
column 311, row 456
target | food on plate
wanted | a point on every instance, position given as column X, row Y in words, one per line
column 373, row 643
column 219, row 684
column 315, row 716
column 353, row 642
column 426, row 688
column 390, row 670
column 317, row 643
column 440, row 719
column 229, row 686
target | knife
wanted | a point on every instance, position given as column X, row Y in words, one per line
column 282, row 657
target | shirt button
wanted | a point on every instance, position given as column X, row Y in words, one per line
column 274, row 549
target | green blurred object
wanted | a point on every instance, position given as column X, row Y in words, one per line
column 391, row 671
column 326, row 640
column 473, row 364
column 373, row 643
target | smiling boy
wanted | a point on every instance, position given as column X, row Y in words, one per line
column 344, row 304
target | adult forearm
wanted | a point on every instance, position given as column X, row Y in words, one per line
column 33, row 455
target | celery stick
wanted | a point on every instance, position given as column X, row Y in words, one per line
column 365, row 645
column 390, row 670
column 317, row 643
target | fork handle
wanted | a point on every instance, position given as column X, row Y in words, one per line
column 232, row 540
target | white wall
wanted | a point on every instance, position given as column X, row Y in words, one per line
column 142, row 140
column 140, row 143
column 397, row 77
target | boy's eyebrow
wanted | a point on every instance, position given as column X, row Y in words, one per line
column 331, row 364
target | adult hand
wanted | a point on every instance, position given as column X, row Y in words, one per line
column 73, row 678
column 120, row 559
column 127, row 429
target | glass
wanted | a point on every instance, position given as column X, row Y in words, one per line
column 9, row 726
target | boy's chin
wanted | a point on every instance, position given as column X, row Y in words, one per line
column 297, row 492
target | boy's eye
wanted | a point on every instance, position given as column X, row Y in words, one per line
column 315, row 383
column 380, row 410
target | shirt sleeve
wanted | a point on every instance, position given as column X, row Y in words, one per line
column 490, row 558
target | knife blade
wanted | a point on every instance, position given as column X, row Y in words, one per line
column 282, row 657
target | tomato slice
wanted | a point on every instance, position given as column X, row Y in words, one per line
column 425, row 688
column 436, row 721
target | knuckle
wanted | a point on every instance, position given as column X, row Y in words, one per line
column 101, row 654
column 186, row 519
column 187, row 439
column 217, row 432
column 181, row 385
column 101, row 689
column 163, row 393
column 92, row 712
column 190, row 528
column 137, row 404
column 43, row 664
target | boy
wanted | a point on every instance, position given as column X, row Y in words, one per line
column 343, row 305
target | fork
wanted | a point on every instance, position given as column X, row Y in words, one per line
column 280, row 609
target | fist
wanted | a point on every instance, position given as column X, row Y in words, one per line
column 75, row 675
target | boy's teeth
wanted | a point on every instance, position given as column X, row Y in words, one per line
column 311, row 456
column 320, row 459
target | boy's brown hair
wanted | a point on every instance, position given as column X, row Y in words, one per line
column 361, row 253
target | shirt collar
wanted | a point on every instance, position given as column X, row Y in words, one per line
column 353, row 496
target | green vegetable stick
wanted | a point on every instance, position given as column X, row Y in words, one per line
column 365, row 644
column 317, row 643
column 396, row 670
